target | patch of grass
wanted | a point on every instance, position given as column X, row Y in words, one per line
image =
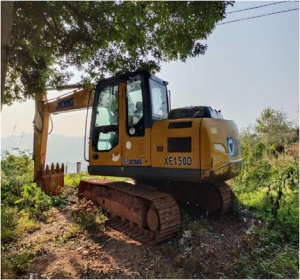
column 160, row 266
column 9, row 222
column 69, row 190
column 73, row 179
column 268, row 256
column 26, row 224
column 13, row 266
column 198, row 226
column 88, row 216
column 170, row 248
column 72, row 231
column 23, row 204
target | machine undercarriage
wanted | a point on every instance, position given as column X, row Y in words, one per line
column 145, row 213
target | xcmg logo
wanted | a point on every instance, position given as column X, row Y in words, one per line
column 65, row 103
column 234, row 146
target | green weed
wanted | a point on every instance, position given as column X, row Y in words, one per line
column 23, row 203
column 269, row 186
column 9, row 222
column 88, row 216
column 70, row 232
column 13, row 266
column 269, row 256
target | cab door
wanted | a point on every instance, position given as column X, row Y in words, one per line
column 105, row 136
column 135, row 135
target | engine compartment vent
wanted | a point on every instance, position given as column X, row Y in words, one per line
column 180, row 145
column 174, row 125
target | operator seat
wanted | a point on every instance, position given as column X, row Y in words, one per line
column 139, row 109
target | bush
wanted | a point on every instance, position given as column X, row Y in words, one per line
column 269, row 186
column 23, row 203
column 269, row 256
column 12, row 266
column 9, row 222
column 16, row 170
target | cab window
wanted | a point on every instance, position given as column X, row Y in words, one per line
column 158, row 100
column 135, row 109
column 106, row 122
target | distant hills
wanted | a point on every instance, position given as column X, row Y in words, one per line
column 60, row 148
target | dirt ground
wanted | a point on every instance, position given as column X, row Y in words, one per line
column 63, row 251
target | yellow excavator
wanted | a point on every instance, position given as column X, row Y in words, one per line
column 174, row 156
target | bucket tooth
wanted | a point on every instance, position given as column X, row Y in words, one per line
column 52, row 167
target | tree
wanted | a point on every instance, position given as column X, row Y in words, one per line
column 102, row 37
column 6, row 24
column 269, row 181
column 274, row 129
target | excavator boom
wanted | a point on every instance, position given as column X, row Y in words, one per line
column 51, row 178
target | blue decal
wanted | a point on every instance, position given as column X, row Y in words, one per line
column 230, row 146
column 132, row 161
column 234, row 146
column 65, row 103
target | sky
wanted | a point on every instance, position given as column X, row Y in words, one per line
column 249, row 65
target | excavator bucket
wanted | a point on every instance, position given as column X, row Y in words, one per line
column 51, row 180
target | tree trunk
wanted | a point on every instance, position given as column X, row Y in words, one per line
column 6, row 26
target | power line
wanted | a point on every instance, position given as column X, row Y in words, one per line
column 261, row 6
column 285, row 11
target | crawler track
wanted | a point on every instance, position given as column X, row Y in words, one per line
column 226, row 197
column 147, row 215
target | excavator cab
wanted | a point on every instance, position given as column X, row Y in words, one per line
column 124, row 110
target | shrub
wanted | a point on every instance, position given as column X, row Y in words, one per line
column 9, row 222
column 23, row 203
column 269, row 186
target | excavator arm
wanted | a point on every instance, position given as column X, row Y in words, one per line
column 51, row 178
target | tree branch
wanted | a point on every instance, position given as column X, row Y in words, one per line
column 52, row 29
column 75, row 11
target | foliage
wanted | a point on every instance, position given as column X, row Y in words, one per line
column 88, row 216
column 23, row 204
column 102, row 37
column 14, row 265
column 269, row 256
column 269, row 186
column 16, row 170
column 274, row 128
column 8, row 224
